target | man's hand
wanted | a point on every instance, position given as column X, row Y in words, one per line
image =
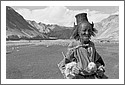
column 101, row 68
column 75, row 70
column 100, row 71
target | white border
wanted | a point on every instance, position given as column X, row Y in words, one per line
column 62, row 3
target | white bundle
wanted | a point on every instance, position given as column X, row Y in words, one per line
column 91, row 67
column 69, row 69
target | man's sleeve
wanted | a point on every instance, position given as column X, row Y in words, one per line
column 70, row 53
column 97, row 58
column 100, row 67
column 68, row 58
column 99, row 61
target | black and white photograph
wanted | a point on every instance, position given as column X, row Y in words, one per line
column 62, row 42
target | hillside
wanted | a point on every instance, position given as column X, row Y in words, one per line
column 108, row 28
column 60, row 32
column 17, row 25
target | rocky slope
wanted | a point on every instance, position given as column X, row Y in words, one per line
column 17, row 25
column 108, row 28
column 59, row 32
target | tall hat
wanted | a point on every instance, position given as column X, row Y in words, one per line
column 81, row 18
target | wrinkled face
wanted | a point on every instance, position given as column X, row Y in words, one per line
column 85, row 31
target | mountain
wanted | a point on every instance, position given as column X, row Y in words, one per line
column 108, row 28
column 17, row 25
column 60, row 32
column 40, row 26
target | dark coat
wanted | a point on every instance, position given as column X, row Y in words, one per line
column 82, row 54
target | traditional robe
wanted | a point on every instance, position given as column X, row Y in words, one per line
column 82, row 54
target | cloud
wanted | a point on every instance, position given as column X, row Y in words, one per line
column 117, row 12
column 59, row 15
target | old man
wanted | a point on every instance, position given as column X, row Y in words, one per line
column 82, row 61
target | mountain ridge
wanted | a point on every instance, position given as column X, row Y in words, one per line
column 17, row 25
column 108, row 28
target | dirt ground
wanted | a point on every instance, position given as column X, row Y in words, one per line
column 39, row 61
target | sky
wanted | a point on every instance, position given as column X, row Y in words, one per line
column 65, row 15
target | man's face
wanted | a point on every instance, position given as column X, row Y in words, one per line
column 85, row 32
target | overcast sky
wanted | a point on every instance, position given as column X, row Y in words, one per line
column 64, row 15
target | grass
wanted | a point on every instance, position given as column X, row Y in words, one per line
column 38, row 60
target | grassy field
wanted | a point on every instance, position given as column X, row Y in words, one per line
column 38, row 60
